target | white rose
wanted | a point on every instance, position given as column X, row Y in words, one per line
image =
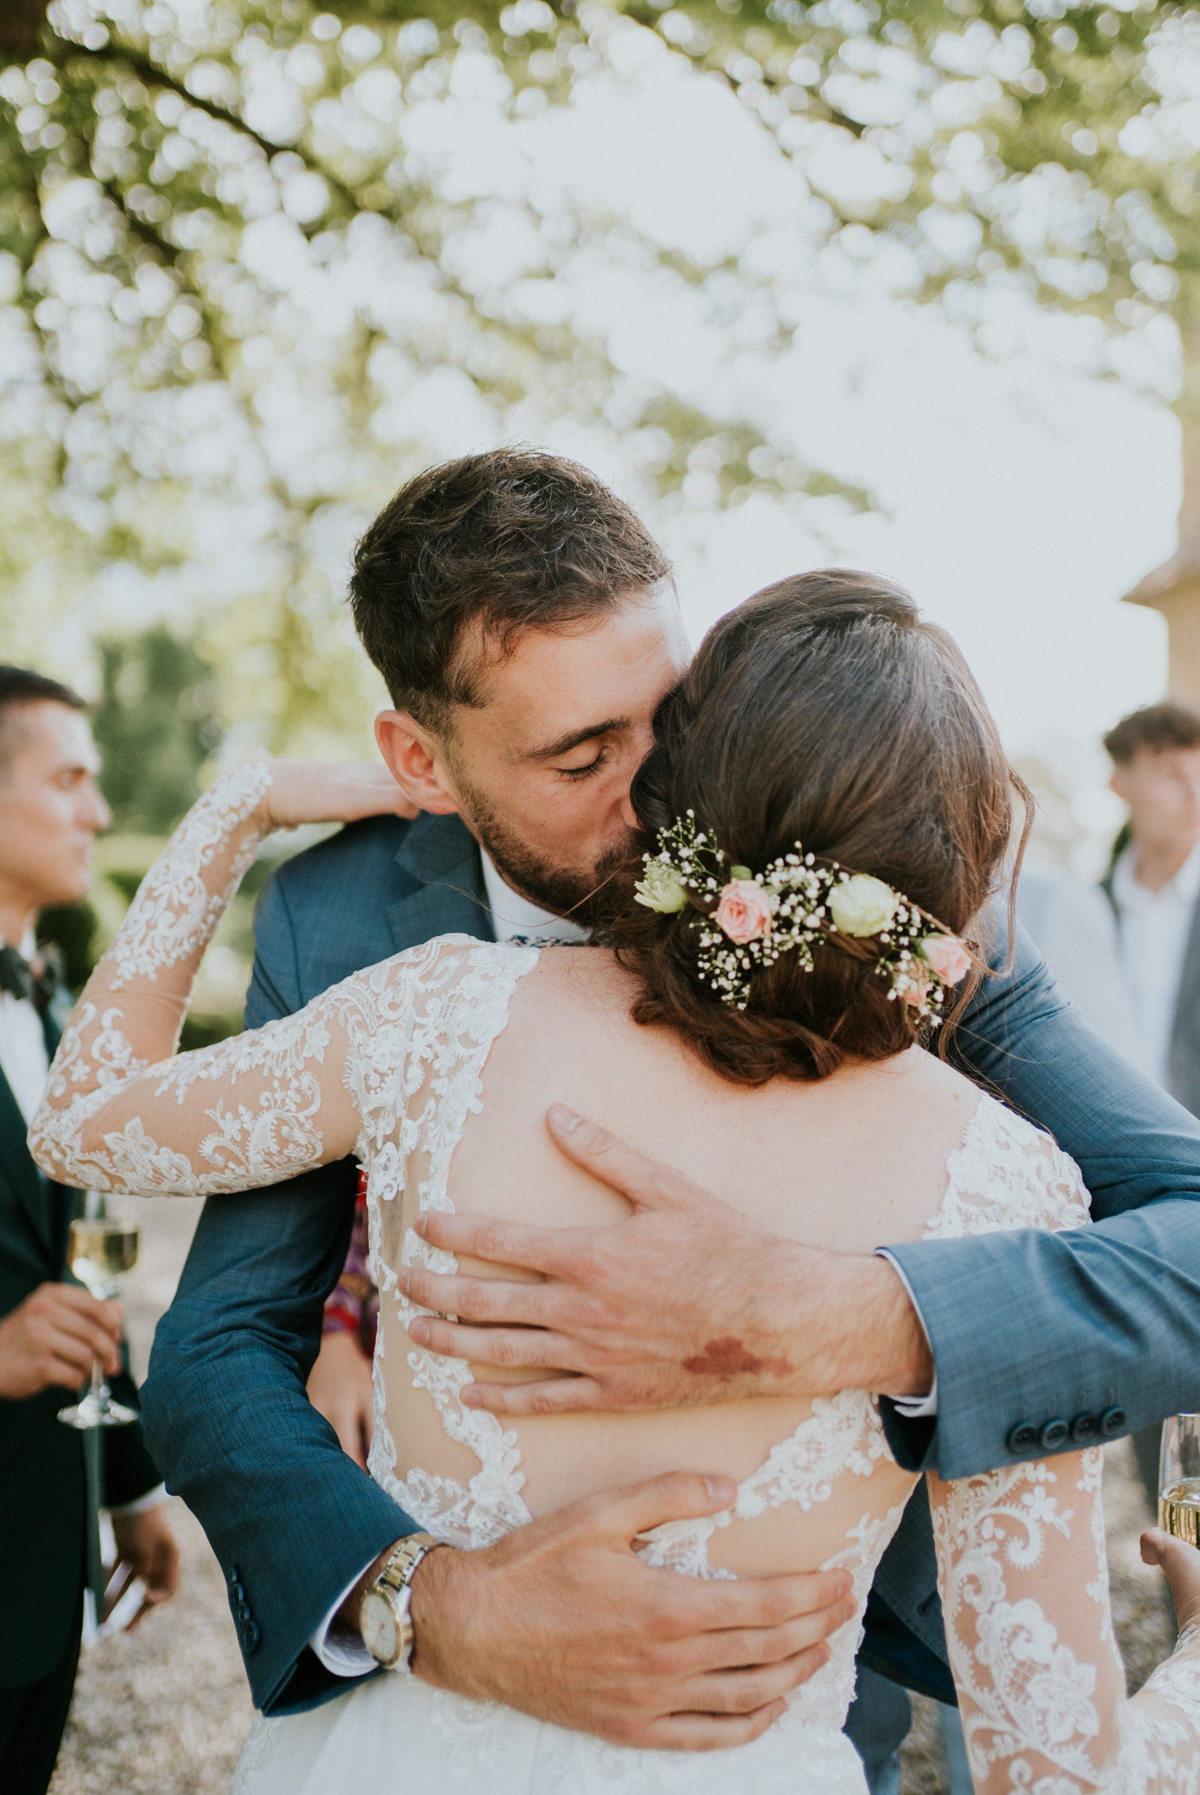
column 662, row 889
column 862, row 905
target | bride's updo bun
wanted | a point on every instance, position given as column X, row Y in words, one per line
column 823, row 710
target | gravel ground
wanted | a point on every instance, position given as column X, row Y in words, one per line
column 164, row 1710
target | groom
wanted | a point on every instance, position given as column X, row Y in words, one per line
column 525, row 624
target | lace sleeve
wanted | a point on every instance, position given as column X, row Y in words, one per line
column 1041, row 1686
column 122, row 1111
column 1024, row 1582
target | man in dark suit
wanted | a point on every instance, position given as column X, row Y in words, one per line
column 50, row 1330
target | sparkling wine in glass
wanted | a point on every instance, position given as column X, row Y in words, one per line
column 101, row 1245
column 1179, row 1478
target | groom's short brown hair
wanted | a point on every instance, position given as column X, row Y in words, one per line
column 510, row 540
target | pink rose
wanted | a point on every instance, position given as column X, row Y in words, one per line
column 948, row 957
column 744, row 912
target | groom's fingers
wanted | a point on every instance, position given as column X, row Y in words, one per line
column 553, row 1251
column 570, row 1395
column 770, row 1645
column 709, row 1732
column 480, row 1299
column 674, row 1496
column 510, row 1351
column 645, row 1182
column 714, row 1630
column 748, row 1690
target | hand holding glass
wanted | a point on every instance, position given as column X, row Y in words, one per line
column 103, row 1243
column 1179, row 1478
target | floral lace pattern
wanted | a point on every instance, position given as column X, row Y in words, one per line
column 175, row 907
column 456, row 1005
column 389, row 1064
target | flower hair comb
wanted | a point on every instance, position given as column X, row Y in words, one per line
column 746, row 920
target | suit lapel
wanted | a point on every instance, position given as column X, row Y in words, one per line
column 18, row 1171
column 439, row 860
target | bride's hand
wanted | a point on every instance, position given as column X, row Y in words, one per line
column 318, row 791
column 1181, row 1566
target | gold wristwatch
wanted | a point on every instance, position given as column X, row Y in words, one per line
column 384, row 1617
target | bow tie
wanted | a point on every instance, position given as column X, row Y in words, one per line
column 19, row 977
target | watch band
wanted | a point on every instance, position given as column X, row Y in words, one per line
column 394, row 1584
column 397, row 1573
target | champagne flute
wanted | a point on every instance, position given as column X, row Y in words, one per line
column 1179, row 1478
column 102, row 1243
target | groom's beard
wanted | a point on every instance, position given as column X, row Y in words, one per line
column 587, row 898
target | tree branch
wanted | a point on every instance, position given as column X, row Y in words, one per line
column 154, row 76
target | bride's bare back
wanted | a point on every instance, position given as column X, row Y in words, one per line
column 847, row 1163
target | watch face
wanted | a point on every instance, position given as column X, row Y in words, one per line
column 377, row 1623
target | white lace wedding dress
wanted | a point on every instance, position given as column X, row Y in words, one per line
column 389, row 1065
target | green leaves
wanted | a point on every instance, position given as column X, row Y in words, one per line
column 211, row 215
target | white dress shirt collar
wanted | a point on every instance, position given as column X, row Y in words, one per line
column 513, row 914
column 1130, row 893
column 23, row 1057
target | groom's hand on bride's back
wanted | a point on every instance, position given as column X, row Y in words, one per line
column 684, row 1301
column 562, row 1620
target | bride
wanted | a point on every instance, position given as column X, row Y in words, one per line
column 825, row 814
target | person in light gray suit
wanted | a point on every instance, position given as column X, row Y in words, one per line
column 1153, row 887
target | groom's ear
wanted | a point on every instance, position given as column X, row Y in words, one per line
column 416, row 761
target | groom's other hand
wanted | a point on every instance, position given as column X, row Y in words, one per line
column 51, row 1339
column 682, row 1302
column 562, row 1620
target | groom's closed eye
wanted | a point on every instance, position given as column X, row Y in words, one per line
column 588, row 768
column 579, row 738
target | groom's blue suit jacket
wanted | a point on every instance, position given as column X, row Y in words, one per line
column 1042, row 1341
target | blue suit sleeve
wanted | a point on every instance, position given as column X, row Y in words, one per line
column 290, row 1517
column 1097, row 1328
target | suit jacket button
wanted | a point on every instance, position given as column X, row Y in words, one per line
column 234, row 1573
column 251, row 1636
column 242, row 1615
column 236, row 1590
column 1112, row 1421
column 1084, row 1427
column 1053, row 1435
column 1023, row 1437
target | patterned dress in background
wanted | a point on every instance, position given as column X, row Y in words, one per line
column 352, row 1306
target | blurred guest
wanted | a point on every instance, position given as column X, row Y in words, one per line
column 1154, row 888
column 50, row 1329
column 1154, row 885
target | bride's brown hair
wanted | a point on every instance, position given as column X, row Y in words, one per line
column 823, row 710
